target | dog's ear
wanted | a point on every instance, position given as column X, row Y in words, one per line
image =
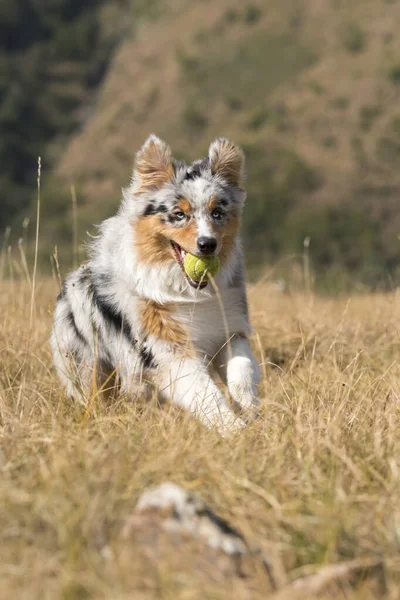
column 228, row 161
column 153, row 164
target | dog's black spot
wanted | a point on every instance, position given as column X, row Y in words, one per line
column 173, row 219
column 114, row 318
column 154, row 210
column 224, row 202
column 197, row 169
column 111, row 315
column 147, row 358
column 106, row 279
column 149, row 210
column 105, row 362
column 193, row 173
column 223, row 525
column 102, row 280
column 72, row 322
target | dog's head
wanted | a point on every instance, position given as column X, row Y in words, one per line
column 180, row 208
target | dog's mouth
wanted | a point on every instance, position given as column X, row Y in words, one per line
column 180, row 254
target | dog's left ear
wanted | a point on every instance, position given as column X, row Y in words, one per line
column 153, row 164
column 228, row 161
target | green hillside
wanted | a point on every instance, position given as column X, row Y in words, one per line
column 309, row 88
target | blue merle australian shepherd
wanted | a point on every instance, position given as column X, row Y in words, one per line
column 133, row 312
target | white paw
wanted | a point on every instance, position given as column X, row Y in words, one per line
column 243, row 376
column 245, row 399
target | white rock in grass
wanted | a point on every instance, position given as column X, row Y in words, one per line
column 173, row 531
column 187, row 513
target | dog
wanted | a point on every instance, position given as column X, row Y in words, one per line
column 134, row 312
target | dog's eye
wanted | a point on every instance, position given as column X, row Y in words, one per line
column 217, row 214
column 179, row 215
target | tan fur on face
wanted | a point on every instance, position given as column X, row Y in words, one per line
column 153, row 239
column 152, row 245
column 184, row 205
column 212, row 204
column 227, row 160
column 158, row 321
column 186, row 237
column 154, row 165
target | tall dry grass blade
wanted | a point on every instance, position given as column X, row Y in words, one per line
column 11, row 272
column 24, row 262
column 337, row 577
column 36, row 245
column 306, row 265
column 3, row 255
column 56, row 262
column 25, row 225
column 223, row 314
column 74, row 227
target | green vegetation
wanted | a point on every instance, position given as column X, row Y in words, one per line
column 252, row 14
column 368, row 114
column 259, row 118
column 394, row 74
column 388, row 146
column 388, row 149
column 233, row 103
column 275, row 178
column 333, row 231
column 194, row 119
column 359, row 153
column 316, row 87
column 50, row 60
column 329, row 141
column 354, row 38
column 257, row 63
column 341, row 103
column 231, row 15
column 51, row 63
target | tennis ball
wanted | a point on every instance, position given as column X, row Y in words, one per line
column 198, row 268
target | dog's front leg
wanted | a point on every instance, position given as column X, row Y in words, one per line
column 187, row 384
column 238, row 368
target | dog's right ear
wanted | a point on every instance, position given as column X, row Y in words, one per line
column 227, row 160
column 153, row 164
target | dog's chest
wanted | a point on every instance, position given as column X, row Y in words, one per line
column 212, row 322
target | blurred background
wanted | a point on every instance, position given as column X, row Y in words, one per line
column 309, row 88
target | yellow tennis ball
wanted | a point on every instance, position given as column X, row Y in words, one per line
column 198, row 268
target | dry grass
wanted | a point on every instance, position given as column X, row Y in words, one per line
column 314, row 481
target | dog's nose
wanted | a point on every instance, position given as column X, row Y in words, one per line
column 207, row 245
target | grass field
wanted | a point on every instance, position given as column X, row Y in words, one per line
column 314, row 481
